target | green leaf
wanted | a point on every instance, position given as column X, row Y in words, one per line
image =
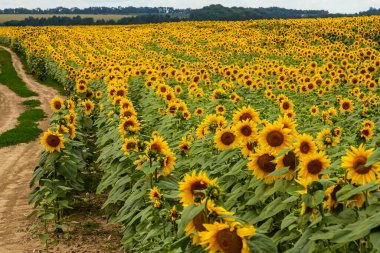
column 49, row 216
column 279, row 172
column 375, row 240
column 288, row 220
column 271, row 209
column 357, row 230
column 348, row 191
column 260, row 243
column 44, row 238
column 375, row 157
column 187, row 215
column 284, row 151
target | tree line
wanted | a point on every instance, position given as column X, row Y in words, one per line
column 212, row 12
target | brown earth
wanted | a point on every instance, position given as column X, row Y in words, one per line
column 17, row 233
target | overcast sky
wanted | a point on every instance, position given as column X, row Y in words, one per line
column 333, row 6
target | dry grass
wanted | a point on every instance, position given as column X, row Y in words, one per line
column 9, row 17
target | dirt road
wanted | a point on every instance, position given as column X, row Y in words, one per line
column 17, row 164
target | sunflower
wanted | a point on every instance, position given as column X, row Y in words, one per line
column 129, row 125
column 220, row 109
column 72, row 131
column 192, row 183
column 226, row 138
column 70, row 105
column 314, row 110
column 246, row 130
column 98, row 94
column 154, row 194
column 262, row 163
column 52, row 141
column 324, row 139
column 312, row 165
column 173, row 213
column 172, row 109
column 158, row 145
column 226, row 237
column 331, row 201
column 366, row 133
column 130, row 144
column 288, row 159
column 56, row 104
column 168, row 163
column 247, row 148
column 355, row 160
column 275, row 137
column 213, row 214
column 199, row 112
column 346, row 105
column 88, row 106
column 127, row 113
column 304, row 145
column 286, row 105
column 368, row 123
column 288, row 123
column 184, row 145
column 246, row 113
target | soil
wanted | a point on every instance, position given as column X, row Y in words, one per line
column 17, row 233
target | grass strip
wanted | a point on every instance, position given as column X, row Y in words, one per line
column 9, row 77
column 27, row 129
column 33, row 103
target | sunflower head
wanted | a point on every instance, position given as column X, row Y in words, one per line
column 275, row 137
column 262, row 163
column 313, row 165
column 226, row 138
column 52, row 141
column 56, row 104
column 304, row 145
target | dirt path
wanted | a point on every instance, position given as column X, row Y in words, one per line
column 10, row 108
column 17, row 164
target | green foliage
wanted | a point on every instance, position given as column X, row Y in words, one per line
column 26, row 130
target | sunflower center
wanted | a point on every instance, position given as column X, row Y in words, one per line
column 156, row 148
column 53, row 140
column 127, row 124
column 198, row 222
column 57, row 105
column 314, row 167
column 227, row 138
column 88, row 106
column 285, row 105
column 365, row 132
column 346, row 106
column 245, row 116
column 249, row 146
column 275, row 138
column 333, row 194
column 290, row 160
column 361, row 160
column 229, row 241
column 246, row 131
column 304, row 147
column 198, row 186
column 131, row 145
column 265, row 163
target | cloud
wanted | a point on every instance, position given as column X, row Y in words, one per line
column 334, row 6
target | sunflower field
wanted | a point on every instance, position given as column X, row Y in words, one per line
column 254, row 136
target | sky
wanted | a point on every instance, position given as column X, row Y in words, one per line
column 333, row 6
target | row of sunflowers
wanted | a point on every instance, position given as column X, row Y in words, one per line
column 254, row 136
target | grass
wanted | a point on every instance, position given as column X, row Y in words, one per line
column 27, row 129
column 31, row 103
column 9, row 77
column 9, row 17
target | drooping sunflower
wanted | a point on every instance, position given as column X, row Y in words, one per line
column 52, row 141
column 304, row 145
column 346, row 105
column 275, row 137
column 88, row 106
column 290, row 160
column 168, row 163
column 226, row 237
column 331, row 201
column 325, row 139
column 262, row 163
column 246, row 113
column 72, row 131
column 192, row 183
column 184, row 145
column 56, row 104
column 154, row 194
column 129, row 125
column 226, row 138
column 312, row 165
column 246, row 130
column 354, row 161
